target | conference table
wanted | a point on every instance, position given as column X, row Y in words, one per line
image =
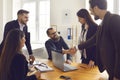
column 82, row 73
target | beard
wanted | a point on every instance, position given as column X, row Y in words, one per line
column 23, row 22
column 56, row 38
column 96, row 17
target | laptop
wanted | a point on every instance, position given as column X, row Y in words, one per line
column 59, row 62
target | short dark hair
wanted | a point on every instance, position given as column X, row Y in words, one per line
column 21, row 11
column 48, row 30
column 102, row 4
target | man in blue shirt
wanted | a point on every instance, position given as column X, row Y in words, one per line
column 56, row 43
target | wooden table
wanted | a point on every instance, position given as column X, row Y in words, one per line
column 83, row 73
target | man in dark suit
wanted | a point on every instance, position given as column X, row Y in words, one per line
column 20, row 23
column 107, row 39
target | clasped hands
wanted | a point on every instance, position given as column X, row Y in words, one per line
column 70, row 51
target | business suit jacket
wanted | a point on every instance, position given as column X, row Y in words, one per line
column 19, row 68
column 13, row 25
column 107, row 41
column 91, row 51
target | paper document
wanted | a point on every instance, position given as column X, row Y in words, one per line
column 42, row 66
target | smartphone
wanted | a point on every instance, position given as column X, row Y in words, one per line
column 65, row 77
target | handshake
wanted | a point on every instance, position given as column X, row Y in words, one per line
column 72, row 50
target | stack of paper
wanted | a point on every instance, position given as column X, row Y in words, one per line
column 42, row 66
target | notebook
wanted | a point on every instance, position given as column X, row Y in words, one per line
column 59, row 62
column 42, row 66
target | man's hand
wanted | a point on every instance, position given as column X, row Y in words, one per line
column 68, row 61
column 38, row 74
column 91, row 64
column 31, row 59
column 65, row 51
column 69, row 51
column 115, row 78
column 73, row 50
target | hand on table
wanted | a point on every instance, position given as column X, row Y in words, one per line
column 31, row 59
column 91, row 64
column 68, row 61
column 38, row 74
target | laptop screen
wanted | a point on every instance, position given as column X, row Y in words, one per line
column 58, row 59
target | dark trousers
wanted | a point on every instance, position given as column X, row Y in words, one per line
column 110, row 71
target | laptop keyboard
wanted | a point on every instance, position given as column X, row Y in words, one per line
column 68, row 67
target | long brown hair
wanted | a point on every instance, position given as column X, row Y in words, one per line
column 10, row 49
column 83, row 13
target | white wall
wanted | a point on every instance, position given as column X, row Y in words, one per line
column 58, row 7
column 57, row 15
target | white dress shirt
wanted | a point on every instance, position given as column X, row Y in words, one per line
column 21, row 26
column 82, row 38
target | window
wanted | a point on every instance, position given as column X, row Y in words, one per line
column 39, row 19
column 44, row 19
column 110, row 5
column 119, row 7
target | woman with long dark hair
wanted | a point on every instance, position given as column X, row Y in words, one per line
column 89, row 28
column 13, row 64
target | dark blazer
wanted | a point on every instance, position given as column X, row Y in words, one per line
column 57, row 46
column 19, row 68
column 91, row 51
column 107, row 40
column 13, row 25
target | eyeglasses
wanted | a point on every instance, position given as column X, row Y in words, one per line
column 53, row 33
